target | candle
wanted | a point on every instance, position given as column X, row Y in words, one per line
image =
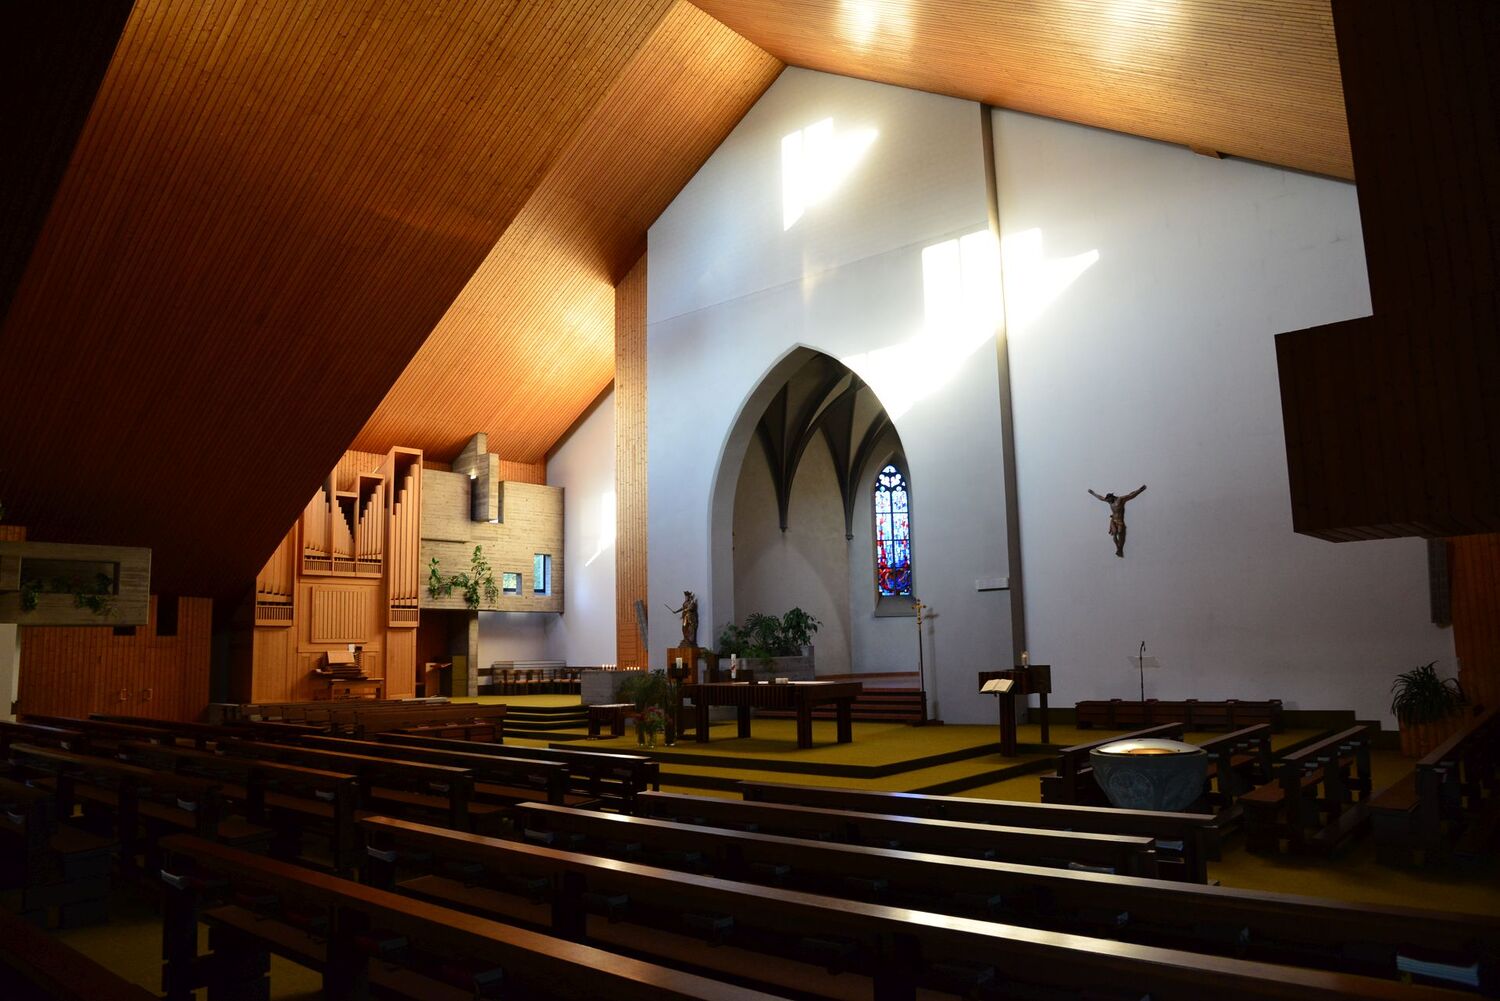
column 1025, row 658
column 679, row 663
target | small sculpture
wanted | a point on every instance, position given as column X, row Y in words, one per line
column 689, row 613
column 1117, row 516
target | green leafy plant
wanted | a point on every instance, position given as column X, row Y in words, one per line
column 478, row 583
column 1420, row 696
column 438, row 586
column 653, row 695
column 30, row 589
column 763, row 636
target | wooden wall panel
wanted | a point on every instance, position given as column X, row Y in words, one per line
column 527, row 346
column 270, row 206
column 630, row 463
column 1392, row 421
column 1257, row 80
column 1475, row 562
column 73, row 671
column 400, row 663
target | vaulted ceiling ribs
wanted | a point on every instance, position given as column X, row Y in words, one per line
column 823, row 398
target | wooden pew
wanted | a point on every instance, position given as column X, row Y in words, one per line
column 1231, row 714
column 141, row 804
column 1124, row 854
column 35, row 966
column 370, row 941
column 315, row 710
column 1185, row 842
column 359, row 721
column 499, row 777
column 1298, row 931
column 291, row 799
column 387, row 785
column 53, row 865
column 1237, row 762
column 42, row 735
column 105, row 733
column 1448, row 805
column 1318, row 798
column 610, row 776
column 1073, row 782
column 817, row 946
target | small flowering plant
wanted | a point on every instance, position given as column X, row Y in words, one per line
column 654, row 721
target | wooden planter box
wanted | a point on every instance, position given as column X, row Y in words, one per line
column 1419, row 739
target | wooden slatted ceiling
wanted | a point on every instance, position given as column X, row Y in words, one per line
column 1254, row 78
column 530, row 342
column 271, row 205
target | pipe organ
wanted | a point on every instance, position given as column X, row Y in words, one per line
column 352, row 571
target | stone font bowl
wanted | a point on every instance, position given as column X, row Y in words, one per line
column 1150, row 774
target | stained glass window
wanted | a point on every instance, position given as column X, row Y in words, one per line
column 892, row 534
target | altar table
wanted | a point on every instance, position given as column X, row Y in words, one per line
column 803, row 696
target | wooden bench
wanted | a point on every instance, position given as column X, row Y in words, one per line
column 291, row 799
column 1300, row 931
column 1318, row 798
column 368, row 941
column 612, row 713
column 1124, row 854
column 1073, row 782
column 499, row 777
column 55, row 866
column 105, row 733
column 135, row 805
column 305, row 711
column 387, row 785
column 1230, row 714
column 35, row 966
column 1237, row 762
column 1447, row 805
column 1185, row 842
column 611, row 776
column 41, row 735
column 812, row 945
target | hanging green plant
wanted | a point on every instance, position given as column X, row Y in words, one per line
column 438, row 586
column 478, row 584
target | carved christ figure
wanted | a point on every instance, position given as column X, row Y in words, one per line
column 689, row 613
column 1117, row 516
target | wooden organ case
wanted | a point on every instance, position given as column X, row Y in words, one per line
column 346, row 575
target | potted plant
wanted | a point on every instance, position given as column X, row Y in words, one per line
column 656, row 702
column 772, row 644
column 1428, row 708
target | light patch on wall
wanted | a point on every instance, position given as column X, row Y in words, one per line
column 962, row 309
column 867, row 22
column 814, row 162
column 606, row 529
column 1032, row 280
column 1134, row 25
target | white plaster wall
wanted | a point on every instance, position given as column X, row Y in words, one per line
column 1157, row 365
column 732, row 295
column 807, row 566
column 515, row 636
column 584, row 466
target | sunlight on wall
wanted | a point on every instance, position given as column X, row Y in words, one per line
column 1033, row 282
column 606, row 529
column 814, row 162
column 1134, row 25
column 962, row 310
column 866, row 22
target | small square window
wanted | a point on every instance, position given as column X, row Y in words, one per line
column 510, row 583
column 541, row 574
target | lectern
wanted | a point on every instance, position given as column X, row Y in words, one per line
column 1033, row 679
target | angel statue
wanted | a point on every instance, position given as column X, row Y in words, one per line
column 1117, row 516
column 689, row 613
